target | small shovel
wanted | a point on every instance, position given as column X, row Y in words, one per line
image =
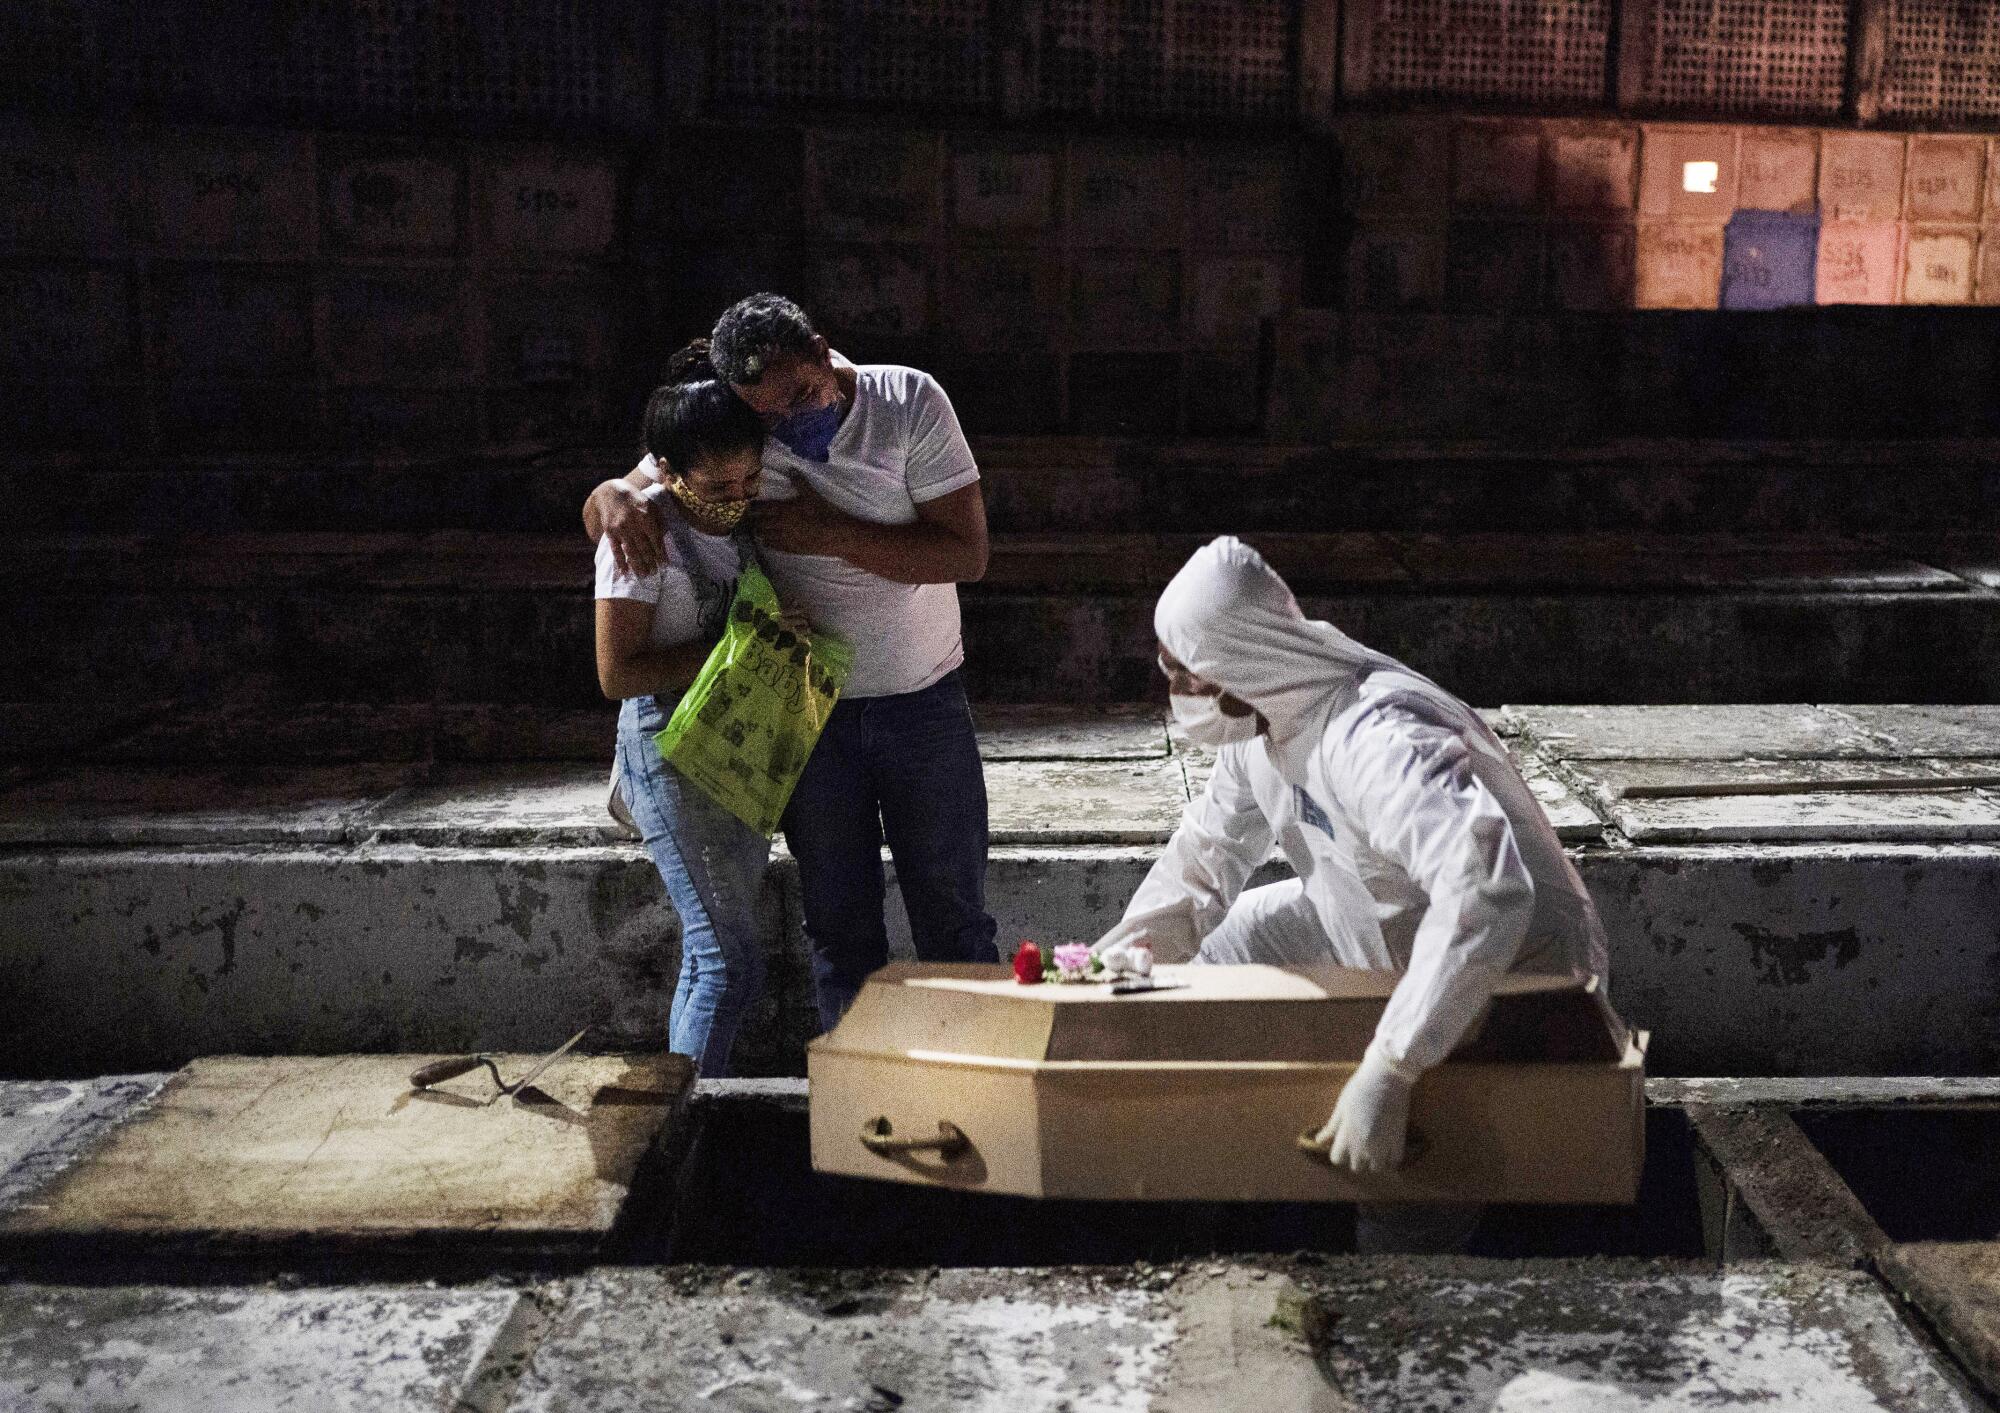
column 439, row 1071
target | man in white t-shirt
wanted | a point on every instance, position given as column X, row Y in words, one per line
column 872, row 516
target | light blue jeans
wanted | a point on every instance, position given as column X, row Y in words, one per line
column 713, row 865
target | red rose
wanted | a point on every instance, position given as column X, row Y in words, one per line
column 1028, row 964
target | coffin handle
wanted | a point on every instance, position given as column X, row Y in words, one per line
column 1414, row 1146
column 878, row 1137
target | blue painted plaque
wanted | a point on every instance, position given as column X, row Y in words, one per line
column 1768, row 258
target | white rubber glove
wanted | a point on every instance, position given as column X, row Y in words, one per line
column 1371, row 1119
column 1169, row 930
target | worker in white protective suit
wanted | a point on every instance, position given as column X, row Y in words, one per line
column 1417, row 847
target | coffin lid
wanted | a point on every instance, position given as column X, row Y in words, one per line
column 973, row 1012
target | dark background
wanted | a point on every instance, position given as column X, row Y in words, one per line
column 387, row 228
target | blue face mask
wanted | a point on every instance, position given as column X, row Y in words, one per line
column 810, row 434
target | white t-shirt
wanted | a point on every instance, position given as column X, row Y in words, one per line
column 898, row 446
column 690, row 593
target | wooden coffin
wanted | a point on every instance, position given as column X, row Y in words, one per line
column 1204, row 1092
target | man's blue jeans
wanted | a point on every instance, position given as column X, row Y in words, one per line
column 902, row 770
column 713, row 866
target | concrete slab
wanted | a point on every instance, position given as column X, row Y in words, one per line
column 1114, row 563
column 253, row 561
column 1085, row 802
column 1857, row 817
column 62, row 732
column 494, row 560
column 503, row 803
column 1639, row 562
column 1575, row 822
column 972, row 1340
column 1803, row 1209
column 1618, row 779
column 1343, row 1334
column 1693, row 732
column 1619, row 1338
column 149, row 805
column 1868, row 1091
column 1960, row 731
column 249, row 733
column 1957, row 1285
column 1777, row 959
column 45, row 1125
column 341, row 1152
column 495, row 731
column 1071, row 733
column 357, row 1349
column 1972, row 554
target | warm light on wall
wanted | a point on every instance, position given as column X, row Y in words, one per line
column 1700, row 176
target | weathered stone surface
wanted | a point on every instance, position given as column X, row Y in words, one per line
column 1606, row 1338
column 394, row 1349
column 1800, row 1203
column 1873, row 1091
column 1640, row 562
column 1733, row 955
column 1457, row 1335
column 992, row 1341
column 1616, row 779
column 162, row 806
column 1071, row 733
column 1857, row 817
column 328, row 951
column 246, row 734
column 1692, row 732
column 45, row 1125
column 1084, row 802
column 493, row 731
column 1963, row 731
column 1575, row 822
column 341, row 1150
column 308, row 951
column 1957, row 1285
column 503, row 803
column 1780, row 959
column 57, row 731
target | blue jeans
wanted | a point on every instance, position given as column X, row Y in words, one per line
column 713, row 865
column 905, row 770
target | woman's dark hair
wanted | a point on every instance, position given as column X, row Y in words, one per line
column 694, row 414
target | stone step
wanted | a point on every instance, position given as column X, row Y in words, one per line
column 1807, row 928
column 458, row 617
column 1799, row 1322
column 1043, row 484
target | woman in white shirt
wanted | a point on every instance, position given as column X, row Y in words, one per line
column 654, row 632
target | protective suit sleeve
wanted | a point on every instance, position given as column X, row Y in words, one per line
column 1222, row 838
column 1411, row 786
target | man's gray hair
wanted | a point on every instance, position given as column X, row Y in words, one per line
column 754, row 331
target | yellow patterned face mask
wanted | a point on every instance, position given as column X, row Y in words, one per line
column 716, row 516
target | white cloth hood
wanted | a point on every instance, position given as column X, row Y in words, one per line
column 1229, row 618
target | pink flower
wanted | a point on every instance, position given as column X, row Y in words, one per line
column 1073, row 956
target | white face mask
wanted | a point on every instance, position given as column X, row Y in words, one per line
column 1205, row 721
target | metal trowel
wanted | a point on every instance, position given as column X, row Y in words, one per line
column 439, row 1071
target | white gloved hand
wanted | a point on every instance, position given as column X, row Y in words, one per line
column 1169, row 930
column 1371, row 1119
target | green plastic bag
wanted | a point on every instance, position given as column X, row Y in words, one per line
column 746, row 724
